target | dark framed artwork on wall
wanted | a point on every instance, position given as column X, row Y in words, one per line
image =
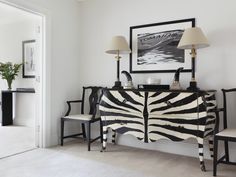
column 28, row 54
column 154, row 47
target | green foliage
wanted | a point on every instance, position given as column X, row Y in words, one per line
column 9, row 71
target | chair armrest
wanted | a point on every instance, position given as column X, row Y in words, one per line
column 69, row 105
column 74, row 101
column 217, row 110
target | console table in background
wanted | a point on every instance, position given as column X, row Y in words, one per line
column 150, row 115
column 7, row 104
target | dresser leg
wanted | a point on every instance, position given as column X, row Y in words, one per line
column 200, row 153
column 113, row 136
column 104, row 141
column 211, row 148
column 203, row 168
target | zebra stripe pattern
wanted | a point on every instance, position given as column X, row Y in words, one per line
column 150, row 116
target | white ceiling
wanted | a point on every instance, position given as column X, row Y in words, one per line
column 9, row 14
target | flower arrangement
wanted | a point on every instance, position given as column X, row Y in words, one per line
column 9, row 71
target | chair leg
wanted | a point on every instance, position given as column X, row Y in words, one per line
column 226, row 151
column 101, row 131
column 215, row 159
column 83, row 130
column 62, row 131
column 88, row 134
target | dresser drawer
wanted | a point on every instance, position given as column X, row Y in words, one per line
column 132, row 126
column 124, row 102
column 176, row 104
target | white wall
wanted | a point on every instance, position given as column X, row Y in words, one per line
column 102, row 19
column 11, row 35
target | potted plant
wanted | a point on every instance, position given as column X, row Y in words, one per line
column 9, row 71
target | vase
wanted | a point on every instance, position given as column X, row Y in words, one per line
column 9, row 82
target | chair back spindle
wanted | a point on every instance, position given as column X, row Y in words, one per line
column 93, row 99
column 224, row 108
column 225, row 105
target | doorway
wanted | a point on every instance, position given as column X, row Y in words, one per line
column 22, row 35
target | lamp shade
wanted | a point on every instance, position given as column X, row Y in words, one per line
column 118, row 44
column 193, row 38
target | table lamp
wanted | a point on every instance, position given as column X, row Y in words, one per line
column 193, row 38
column 118, row 45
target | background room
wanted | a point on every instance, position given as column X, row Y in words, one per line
column 18, row 28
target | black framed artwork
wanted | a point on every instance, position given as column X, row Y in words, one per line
column 154, row 47
column 28, row 55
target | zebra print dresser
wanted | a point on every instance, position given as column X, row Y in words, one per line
column 154, row 115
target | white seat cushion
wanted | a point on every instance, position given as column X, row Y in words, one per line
column 86, row 117
column 229, row 132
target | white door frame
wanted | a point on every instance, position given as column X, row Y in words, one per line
column 44, row 120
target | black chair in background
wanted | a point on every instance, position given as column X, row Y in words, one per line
column 94, row 95
column 226, row 135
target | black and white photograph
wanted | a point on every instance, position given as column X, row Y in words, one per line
column 28, row 59
column 154, row 47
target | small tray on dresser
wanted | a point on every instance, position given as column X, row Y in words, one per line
column 156, row 87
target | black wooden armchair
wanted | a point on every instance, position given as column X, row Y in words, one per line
column 85, row 119
column 226, row 135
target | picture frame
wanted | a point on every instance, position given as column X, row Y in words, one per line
column 28, row 59
column 154, row 47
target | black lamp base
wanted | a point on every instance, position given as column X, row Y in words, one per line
column 117, row 85
column 193, row 86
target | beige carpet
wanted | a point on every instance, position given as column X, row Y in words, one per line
column 73, row 160
column 15, row 139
